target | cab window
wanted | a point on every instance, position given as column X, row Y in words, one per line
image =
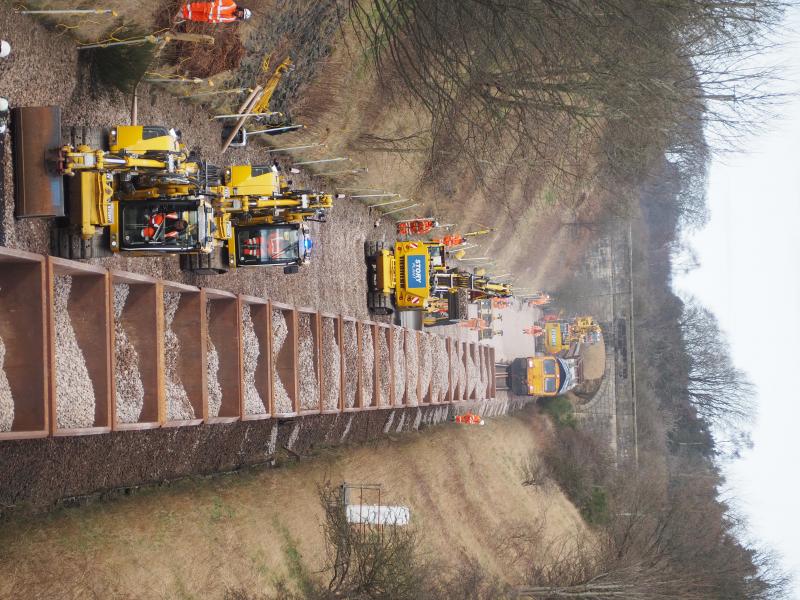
column 437, row 256
column 161, row 225
column 550, row 385
column 266, row 246
column 549, row 367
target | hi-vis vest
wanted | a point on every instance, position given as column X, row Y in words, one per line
column 218, row 11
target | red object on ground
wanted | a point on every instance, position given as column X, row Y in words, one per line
column 415, row 227
column 218, row 11
column 469, row 419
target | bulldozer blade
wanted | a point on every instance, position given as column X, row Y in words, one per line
column 38, row 187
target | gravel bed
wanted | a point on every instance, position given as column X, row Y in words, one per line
column 6, row 398
column 385, row 368
column 307, row 370
column 457, row 368
column 472, row 374
column 483, row 373
column 331, row 365
column 179, row 408
column 75, row 401
column 367, row 365
column 441, row 369
column 212, row 370
column 399, row 365
column 412, row 368
column 425, row 363
column 251, row 350
column 280, row 331
column 129, row 391
column 350, row 341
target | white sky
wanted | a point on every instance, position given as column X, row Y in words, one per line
column 750, row 277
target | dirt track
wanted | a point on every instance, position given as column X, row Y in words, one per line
column 44, row 69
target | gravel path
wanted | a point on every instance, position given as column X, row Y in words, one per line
column 367, row 365
column 331, row 365
column 399, row 364
column 350, row 341
column 6, row 398
column 212, row 371
column 179, row 408
column 283, row 403
column 307, row 371
column 253, row 402
column 425, row 363
column 384, row 369
column 129, row 390
column 412, row 368
column 75, row 401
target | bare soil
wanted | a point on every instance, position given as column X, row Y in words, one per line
column 198, row 538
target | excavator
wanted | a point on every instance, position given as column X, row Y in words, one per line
column 454, row 289
column 148, row 195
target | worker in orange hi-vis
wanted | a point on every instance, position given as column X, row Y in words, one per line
column 216, row 11
column 469, row 418
column 416, row 226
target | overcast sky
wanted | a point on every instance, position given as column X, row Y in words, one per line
column 750, row 277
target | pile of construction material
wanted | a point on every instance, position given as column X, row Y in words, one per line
column 441, row 369
column 384, row 368
column 75, row 401
column 331, row 365
column 412, row 368
column 367, row 365
column 280, row 331
column 398, row 344
column 6, row 397
column 457, row 369
column 251, row 350
column 307, row 368
column 212, row 371
column 472, row 373
column 129, row 389
column 425, row 363
column 350, row 343
column 179, row 408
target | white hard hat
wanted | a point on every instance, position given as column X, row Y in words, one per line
column 483, row 422
column 246, row 14
column 5, row 48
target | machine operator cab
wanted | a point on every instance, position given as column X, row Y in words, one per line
column 543, row 376
column 286, row 244
column 175, row 226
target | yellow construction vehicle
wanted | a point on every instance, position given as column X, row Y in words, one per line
column 561, row 336
column 454, row 289
column 402, row 276
column 543, row 376
column 262, row 190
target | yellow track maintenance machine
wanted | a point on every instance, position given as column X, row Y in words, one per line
column 454, row 289
column 541, row 376
column 563, row 337
column 146, row 195
column 401, row 278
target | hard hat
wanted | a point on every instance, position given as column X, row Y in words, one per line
column 246, row 14
column 483, row 422
column 5, row 48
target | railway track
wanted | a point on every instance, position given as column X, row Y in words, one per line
column 90, row 350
